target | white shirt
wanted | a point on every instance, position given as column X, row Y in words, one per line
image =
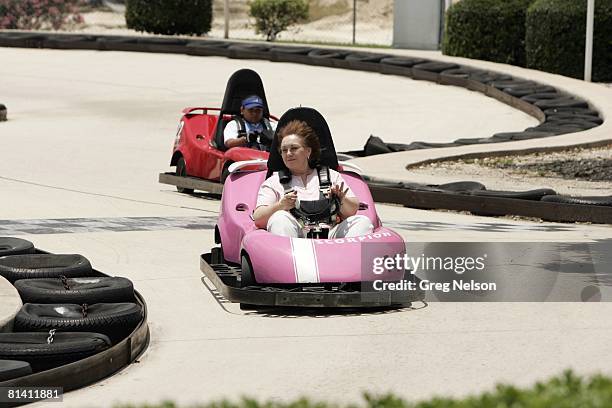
column 231, row 129
column 272, row 189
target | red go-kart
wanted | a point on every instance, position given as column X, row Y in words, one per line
column 199, row 152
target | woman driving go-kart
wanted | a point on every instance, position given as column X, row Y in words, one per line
column 307, row 199
column 301, row 230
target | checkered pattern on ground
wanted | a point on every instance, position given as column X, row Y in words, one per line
column 83, row 225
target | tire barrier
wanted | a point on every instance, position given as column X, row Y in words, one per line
column 116, row 320
column 558, row 113
column 29, row 266
column 540, row 203
column 13, row 368
column 71, row 331
column 15, row 246
column 528, row 96
column 76, row 290
column 40, row 354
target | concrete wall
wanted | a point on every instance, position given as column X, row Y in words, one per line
column 417, row 24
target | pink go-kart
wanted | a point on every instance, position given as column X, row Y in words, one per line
column 257, row 268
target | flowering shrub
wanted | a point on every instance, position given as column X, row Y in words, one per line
column 39, row 14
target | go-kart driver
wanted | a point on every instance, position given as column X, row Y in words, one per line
column 250, row 129
column 300, row 150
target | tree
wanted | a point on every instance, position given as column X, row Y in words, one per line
column 274, row 16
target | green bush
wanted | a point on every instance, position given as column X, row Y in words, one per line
column 492, row 30
column 555, row 38
column 274, row 16
column 169, row 16
column 565, row 391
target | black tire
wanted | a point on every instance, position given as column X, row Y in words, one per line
column 471, row 141
column 524, row 135
column 65, row 348
column 583, row 118
column 327, row 53
column 534, row 195
column 291, row 50
column 31, row 266
column 216, row 256
column 488, row 77
column 3, row 113
column 365, row 57
column 116, row 320
column 512, row 83
column 582, row 124
column 435, row 66
column 461, row 72
column 571, row 111
column 545, row 96
column 374, row 145
column 247, row 277
column 76, row 290
column 10, row 369
column 561, row 103
column 600, row 201
column 519, row 92
column 462, row 186
column 181, row 171
column 568, row 116
column 402, row 61
column 225, row 171
column 15, row 246
column 400, row 147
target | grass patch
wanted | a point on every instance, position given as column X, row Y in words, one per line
column 567, row 390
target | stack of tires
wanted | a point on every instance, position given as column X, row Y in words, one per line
column 70, row 311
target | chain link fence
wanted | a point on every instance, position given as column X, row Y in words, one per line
column 363, row 22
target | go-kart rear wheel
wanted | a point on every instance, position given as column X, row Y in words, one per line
column 181, row 171
column 216, row 255
column 225, row 172
column 247, row 278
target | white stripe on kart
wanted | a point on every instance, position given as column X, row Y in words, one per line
column 304, row 261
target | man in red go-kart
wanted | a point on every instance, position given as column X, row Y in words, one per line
column 209, row 140
column 250, row 128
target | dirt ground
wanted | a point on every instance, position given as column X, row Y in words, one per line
column 577, row 172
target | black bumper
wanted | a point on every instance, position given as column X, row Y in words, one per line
column 226, row 279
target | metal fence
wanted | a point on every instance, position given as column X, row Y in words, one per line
column 363, row 22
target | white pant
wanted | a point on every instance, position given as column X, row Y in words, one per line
column 283, row 223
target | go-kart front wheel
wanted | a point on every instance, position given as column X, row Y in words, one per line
column 181, row 171
column 247, row 278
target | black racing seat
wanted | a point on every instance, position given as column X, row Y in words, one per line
column 242, row 83
column 316, row 121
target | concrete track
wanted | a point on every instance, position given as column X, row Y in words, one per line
column 87, row 135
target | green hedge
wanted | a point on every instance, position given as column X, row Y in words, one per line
column 169, row 16
column 492, row 30
column 555, row 38
column 565, row 391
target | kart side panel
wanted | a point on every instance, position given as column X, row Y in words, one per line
column 201, row 158
column 237, row 205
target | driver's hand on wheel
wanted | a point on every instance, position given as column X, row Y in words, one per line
column 252, row 137
column 339, row 191
column 287, row 202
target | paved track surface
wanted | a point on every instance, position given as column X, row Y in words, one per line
column 87, row 135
